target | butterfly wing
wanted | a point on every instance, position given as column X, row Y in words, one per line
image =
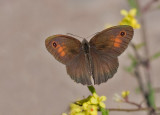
column 105, row 47
column 63, row 48
column 68, row 51
column 79, row 69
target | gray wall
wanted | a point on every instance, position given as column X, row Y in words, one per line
column 32, row 82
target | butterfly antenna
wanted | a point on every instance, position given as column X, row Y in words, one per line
column 75, row 35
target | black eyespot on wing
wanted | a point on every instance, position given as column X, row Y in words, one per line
column 122, row 33
column 54, row 44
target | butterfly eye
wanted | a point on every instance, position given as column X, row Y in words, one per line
column 122, row 33
column 54, row 44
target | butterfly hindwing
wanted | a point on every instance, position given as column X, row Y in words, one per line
column 105, row 47
column 103, row 66
column 79, row 69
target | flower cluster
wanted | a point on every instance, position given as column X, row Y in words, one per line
column 88, row 106
column 129, row 18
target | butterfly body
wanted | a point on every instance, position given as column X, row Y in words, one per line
column 95, row 59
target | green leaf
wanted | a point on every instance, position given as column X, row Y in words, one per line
column 91, row 89
column 133, row 4
column 155, row 56
column 104, row 111
column 151, row 97
column 139, row 46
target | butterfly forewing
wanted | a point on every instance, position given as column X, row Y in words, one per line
column 63, row 48
column 113, row 40
column 104, row 49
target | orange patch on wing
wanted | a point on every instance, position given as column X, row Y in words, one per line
column 60, row 49
column 116, row 45
column 62, row 54
column 117, row 42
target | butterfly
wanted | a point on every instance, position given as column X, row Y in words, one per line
column 95, row 60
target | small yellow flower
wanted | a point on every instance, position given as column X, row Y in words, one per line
column 85, row 106
column 96, row 100
column 125, row 94
column 101, row 104
column 92, row 110
column 103, row 98
column 129, row 18
column 75, row 109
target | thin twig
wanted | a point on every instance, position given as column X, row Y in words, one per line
column 137, row 72
column 138, row 57
column 148, row 5
column 144, row 38
column 133, row 103
column 148, row 89
column 131, row 110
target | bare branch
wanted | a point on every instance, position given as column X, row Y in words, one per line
column 131, row 110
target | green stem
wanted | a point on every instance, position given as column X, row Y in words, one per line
column 91, row 89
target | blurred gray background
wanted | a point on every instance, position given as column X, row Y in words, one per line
column 32, row 82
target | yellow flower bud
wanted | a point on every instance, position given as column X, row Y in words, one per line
column 125, row 94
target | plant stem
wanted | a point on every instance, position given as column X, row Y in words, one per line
column 148, row 5
column 148, row 93
column 133, row 103
column 91, row 89
column 131, row 110
column 137, row 72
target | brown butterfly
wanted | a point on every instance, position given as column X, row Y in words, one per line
column 95, row 59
